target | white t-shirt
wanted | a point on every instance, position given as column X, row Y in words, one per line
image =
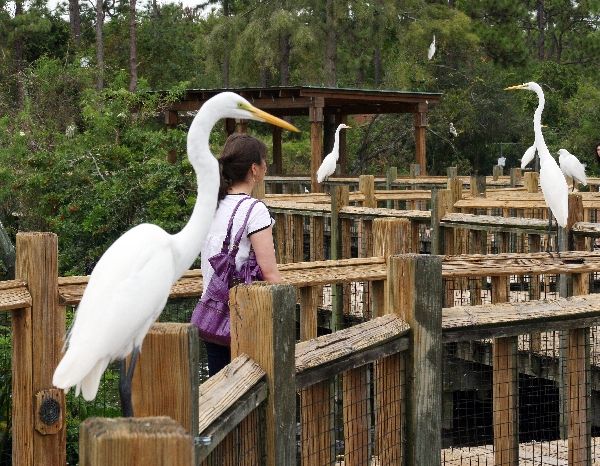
column 260, row 218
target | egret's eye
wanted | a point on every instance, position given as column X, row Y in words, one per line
column 240, row 105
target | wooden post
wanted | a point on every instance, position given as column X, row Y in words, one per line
column 277, row 152
column 516, row 176
column 315, row 116
column 420, row 122
column 531, row 181
column 390, row 236
column 392, row 174
column 506, row 401
column 280, row 238
column 477, row 186
column 339, row 199
column 366, row 185
column 298, row 241
column 133, row 440
column 415, row 288
column 497, row 172
column 289, row 238
column 441, row 202
column 259, row 191
column 37, row 340
column 452, row 173
column 415, row 170
column 263, row 327
column 160, row 389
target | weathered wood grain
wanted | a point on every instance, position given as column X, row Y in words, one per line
column 14, row 298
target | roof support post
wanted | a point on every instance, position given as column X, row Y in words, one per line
column 315, row 116
column 420, row 127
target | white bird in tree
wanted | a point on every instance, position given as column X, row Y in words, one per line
column 327, row 167
column 431, row 51
column 528, row 156
column 130, row 284
column 572, row 167
column 452, row 131
column 553, row 183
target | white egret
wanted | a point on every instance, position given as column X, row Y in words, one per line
column 452, row 131
column 130, row 284
column 528, row 156
column 431, row 51
column 553, row 183
column 502, row 161
column 327, row 167
column 572, row 167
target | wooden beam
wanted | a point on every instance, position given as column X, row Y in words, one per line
column 315, row 118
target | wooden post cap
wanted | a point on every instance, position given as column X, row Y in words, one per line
column 126, row 441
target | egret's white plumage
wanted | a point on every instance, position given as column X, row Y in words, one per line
column 129, row 286
column 572, row 167
column 553, row 183
column 327, row 167
column 528, row 156
column 431, row 51
column 452, row 130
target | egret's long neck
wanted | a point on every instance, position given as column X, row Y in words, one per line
column 189, row 241
column 537, row 127
column 336, row 144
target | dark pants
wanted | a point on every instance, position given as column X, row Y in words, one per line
column 218, row 357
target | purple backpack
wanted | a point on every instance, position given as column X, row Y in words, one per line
column 211, row 314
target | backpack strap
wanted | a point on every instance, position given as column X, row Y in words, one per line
column 227, row 239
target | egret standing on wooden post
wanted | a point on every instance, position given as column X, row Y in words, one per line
column 327, row 167
column 130, row 284
column 553, row 183
column 572, row 167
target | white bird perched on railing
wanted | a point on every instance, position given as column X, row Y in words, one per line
column 327, row 167
column 130, row 284
column 572, row 167
column 431, row 51
column 553, row 183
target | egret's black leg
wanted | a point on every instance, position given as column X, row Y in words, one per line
column 125, row 378
column 548, row 248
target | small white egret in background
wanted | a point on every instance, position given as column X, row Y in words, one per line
column 130, row 284
column 572, row 167
column 327, row 167
column 553, row 183
column 501, row 161
column 70, row 131
column 528, row 156
column 431, row 51
column 452, row 131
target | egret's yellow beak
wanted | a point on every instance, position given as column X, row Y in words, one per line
column 267, row 117
column 512, row 88
column 348, row 127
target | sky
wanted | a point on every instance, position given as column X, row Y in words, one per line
column 52, row 3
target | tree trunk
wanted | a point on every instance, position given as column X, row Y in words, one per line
column 19, row 58
column 99, row 45
column 263, row 73
column 226, row 51
column 330, row 64
column 377, row 65
column 75, row 20
column 133, row 76
column 154, row 9
column 285, row 48
column 541, row 24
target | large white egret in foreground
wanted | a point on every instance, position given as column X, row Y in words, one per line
column 572, row 167
column 129, row 286
column 327, row 167
column 553, row 183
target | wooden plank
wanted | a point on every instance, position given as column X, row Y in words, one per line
column 127, row 441
column 298, row 241
column 355, row 400
column 506, row 401
column 315, row 418
column 160, row 389
column 37, row 263
column 14, row 298
column 215, row 433
column 388, row 408
column 366, row 185
column 289, row 238
column 309, row 302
